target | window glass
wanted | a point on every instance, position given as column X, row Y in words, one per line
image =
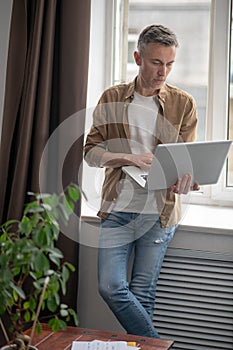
column 190, row 20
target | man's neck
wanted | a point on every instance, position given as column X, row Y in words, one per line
column 144, row 90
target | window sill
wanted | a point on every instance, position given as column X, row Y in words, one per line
column 198, row 218
column 206, row 218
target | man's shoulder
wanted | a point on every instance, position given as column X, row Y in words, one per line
column 118, row 92
column 176, row 91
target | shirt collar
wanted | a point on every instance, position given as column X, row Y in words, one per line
column 131, row 89
column 163, row 92
column 132, row 86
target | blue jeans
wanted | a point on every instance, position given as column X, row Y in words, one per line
column 132, row 302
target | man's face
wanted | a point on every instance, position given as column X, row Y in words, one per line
column 155, row 64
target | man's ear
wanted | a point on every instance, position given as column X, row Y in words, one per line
column 137, row 58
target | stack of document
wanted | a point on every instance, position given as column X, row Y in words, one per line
column 103, row 345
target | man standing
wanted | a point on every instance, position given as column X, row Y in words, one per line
column 129, row 121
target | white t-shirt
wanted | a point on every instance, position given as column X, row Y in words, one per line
column 142, row 114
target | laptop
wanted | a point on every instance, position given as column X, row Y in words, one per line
column 204, row 160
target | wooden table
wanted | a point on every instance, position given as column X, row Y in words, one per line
column 62, row 340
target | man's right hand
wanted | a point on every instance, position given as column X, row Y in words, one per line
column 114, row 160
column 142, row 161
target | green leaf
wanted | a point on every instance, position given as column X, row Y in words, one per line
column 16, row 317
column 17, row 291
column 50, row 272
column 36, row 284
column 25, row 226
column 74, row 315
column 43, row 195
column 9, row 223
column 46, row 206
column 66, row 208
column 41, row 263
column 39, row 281
column 54, row 324
column 26, row 305
column 57, row 298
column 40, row 237
column 64, row 313
column 17, row 270
column 55, row 260
column 56, row 252
column 65, row 273
column 55, row 228
column 74, row 193
column 63, row 215
column 51, row 303
column 38, row 328
column 62, row 325
column 33, row 275
column 34, row 208
column 32, row 303
column 65, row 276
column 7, row 275
column 54, row 283
column 2, row 308
column 30, row 193
column 63, row 286
column 27, row 316
column 3, row 237
column 70, row 205
column 70, row 266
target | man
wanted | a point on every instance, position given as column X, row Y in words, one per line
column 129, row 121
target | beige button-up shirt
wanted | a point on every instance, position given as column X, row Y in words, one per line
column 176, row 122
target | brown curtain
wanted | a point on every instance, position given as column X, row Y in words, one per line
column 46, row 83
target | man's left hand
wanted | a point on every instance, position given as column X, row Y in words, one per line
column 184, row 185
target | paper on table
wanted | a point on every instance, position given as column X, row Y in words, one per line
column 101, row 345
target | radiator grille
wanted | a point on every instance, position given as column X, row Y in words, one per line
column 194, row 303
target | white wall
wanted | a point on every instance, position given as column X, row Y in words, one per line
column 92, row 310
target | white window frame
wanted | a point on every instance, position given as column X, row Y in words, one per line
column 218, row 95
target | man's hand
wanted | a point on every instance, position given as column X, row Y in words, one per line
column 184, row 185
column 142, row 161
column 115, row 160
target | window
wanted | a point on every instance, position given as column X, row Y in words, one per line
column 201, row 68
column 203, row 31
column 230, row 114
column 191, row 22
column 199, row 32
column 219, row 101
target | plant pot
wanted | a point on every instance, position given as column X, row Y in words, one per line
column 13, row 346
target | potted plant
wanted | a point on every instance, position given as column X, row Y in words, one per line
column 33, row 272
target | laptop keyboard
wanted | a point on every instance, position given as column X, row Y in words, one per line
column 144, row 176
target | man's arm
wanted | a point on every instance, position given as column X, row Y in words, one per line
column 116, row 160
column 97, row 155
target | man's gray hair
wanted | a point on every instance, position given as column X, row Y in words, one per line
column 157, row 34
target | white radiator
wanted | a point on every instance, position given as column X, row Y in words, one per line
column 194, row 300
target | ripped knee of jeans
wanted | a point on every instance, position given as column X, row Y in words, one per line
column 159, row 241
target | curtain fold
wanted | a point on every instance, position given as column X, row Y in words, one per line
column 46, row 83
